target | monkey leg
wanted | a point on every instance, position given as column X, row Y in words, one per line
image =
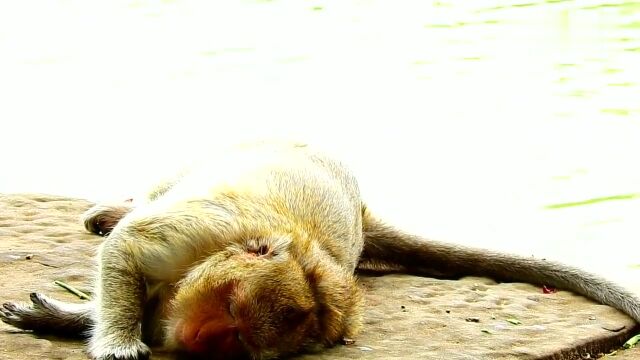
column 47, row 315
column 102, row 218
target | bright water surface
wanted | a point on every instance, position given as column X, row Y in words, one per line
column 507, row 124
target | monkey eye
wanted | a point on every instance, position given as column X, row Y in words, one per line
column 294, row 316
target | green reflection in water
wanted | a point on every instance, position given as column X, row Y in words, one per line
column 621, row 112
column 623, row 84
column 593, row 201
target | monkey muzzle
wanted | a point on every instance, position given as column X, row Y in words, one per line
column 213, row 332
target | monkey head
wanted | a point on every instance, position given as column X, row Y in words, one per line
column 262, row 298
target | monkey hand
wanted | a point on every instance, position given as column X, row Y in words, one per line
column 115, row 347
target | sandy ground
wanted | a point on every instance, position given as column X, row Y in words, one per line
column 41, row 240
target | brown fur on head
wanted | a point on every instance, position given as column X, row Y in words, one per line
column 260, row 299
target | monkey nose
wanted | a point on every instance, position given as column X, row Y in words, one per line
column 212, row 337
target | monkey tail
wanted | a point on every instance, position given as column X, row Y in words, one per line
column 386, row 246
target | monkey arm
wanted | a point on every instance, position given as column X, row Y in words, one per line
column 120, row 301
column 154, row 245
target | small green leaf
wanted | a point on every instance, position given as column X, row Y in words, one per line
column 514, row 321
column 73, row 290
column 631, row 342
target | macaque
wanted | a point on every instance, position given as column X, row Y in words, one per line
column 253, row 256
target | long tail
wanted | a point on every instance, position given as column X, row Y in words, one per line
column 387, row 246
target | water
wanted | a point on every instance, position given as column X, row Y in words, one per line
column 475, row 122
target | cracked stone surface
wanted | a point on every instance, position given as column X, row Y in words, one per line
column 42, row 240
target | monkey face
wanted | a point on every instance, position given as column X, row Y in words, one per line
column 260, row 304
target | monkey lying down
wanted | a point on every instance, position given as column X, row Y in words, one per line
column 253, row 256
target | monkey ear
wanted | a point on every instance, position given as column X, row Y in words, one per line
column 260, row 250
column 267, row 247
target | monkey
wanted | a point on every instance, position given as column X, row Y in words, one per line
column 253, row 255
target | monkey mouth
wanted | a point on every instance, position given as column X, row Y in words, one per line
column 211, row 337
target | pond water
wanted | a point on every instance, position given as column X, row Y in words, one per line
column 510, row 124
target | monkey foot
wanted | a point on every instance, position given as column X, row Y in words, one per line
column 44, row 315
column 102, row 218
column 27, row 316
